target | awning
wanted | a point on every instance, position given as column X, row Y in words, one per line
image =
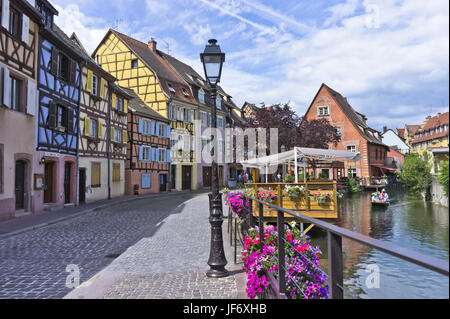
column 386, row 167
column 301, row 155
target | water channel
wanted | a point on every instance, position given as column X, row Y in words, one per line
column 408, row 222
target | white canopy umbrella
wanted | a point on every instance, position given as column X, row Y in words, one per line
column 301, row 154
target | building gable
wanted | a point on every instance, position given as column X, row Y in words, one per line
column 115, row 56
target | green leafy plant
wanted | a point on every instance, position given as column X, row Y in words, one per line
column 443, row 176
column 416, row 173
column 294, row 191
column 353, row 185
column 289, row 178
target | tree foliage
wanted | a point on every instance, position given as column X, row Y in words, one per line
column 292, row 129
column 416, row 173
column 443, row 176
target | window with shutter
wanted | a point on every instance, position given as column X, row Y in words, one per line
column 6, row 87
column 124, row 137
column 51, row 117
column 116, row 172
column 95, row 176
column 31, row 98
column 93, row 128
column 146, row 181
column 95, row 86
column 25, row 28
column 15, row 21
column 162, row 157
column 114, row 101
column 89, row 80
column 100, row 130
column 15, row 93
column 70, row 121
column 63, row 67
column 5, row 13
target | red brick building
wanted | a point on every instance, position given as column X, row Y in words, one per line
column 356, row 135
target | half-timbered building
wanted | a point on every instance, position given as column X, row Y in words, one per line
column 202, row 95
column 59, row 80
column 103, row 125
column 19, row 37
column 139, row 66
column 148, row 156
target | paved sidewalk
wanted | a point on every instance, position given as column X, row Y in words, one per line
column 170, row 263
column 30, row 222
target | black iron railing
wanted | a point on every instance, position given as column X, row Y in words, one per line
column 334, row 240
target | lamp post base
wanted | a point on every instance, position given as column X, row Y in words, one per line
column 217, row 273
column 217, row 260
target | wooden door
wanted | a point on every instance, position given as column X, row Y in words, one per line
column 220, row 175
column 186, row 177
column 162, row 182
column 20, row 185
column 67, row 181
column 48, row 186
column 207, row 176
column 173, row 177
column 82, row 188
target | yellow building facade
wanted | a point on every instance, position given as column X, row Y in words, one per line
column 137, row 66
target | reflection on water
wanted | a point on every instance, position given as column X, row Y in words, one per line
column 409, row 223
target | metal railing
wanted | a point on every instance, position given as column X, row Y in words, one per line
column 334, row 240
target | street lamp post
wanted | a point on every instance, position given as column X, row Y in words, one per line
column 213, row 59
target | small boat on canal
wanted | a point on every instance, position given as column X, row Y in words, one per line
column 381, row 204
column 380, row 200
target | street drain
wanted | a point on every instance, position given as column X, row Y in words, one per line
column 112, row 256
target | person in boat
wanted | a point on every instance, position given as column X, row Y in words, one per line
column 374, row 197
column 384, row 196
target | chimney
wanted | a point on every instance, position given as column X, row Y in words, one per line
column 384, row 129
column 152, row 44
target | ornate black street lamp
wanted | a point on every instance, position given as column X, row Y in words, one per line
column 213, row 59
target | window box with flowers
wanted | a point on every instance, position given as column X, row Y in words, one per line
column 295, row 192
column 322, row 198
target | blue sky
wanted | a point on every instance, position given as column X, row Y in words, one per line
column 390, row 58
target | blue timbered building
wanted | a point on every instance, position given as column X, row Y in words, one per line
column 59, row 81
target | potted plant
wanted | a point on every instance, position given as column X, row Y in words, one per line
column 321, row 198
column 294, row 191
column 61, row 129
column 266, row 195
column 289, row 178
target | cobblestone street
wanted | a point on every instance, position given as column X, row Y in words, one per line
column 33, row 264
column 170, row 263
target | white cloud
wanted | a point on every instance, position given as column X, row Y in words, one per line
column 89, row 30
column 407, row 52
column 199, row 33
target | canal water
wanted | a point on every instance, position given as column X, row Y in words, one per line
column 408, row 222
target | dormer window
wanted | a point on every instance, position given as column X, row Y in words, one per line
column 171, row 89
column 201, row 96
column 47, row 14
column 218, row 102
